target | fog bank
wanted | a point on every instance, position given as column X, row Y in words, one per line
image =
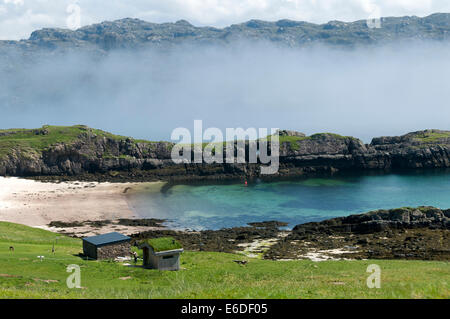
column 362, row 92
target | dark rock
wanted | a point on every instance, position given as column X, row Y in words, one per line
column 61, row 224
column 222, row 240
column 379, row 221
column 149, row 222
column 268, row 224
column 363, row 241
column 403, row 233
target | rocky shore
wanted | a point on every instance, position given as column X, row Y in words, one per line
column 36, row 204
column 404, row 233
column 82, row 153
column 421, row 233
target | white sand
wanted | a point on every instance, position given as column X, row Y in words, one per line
column 36, row 204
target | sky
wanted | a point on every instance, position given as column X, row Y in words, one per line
column 18, row 18
column 366, row 92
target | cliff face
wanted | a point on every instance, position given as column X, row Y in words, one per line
column 80, row 151
column 88, row 151
column 330, row 153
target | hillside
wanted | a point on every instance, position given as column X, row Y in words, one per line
column 203, row 274
column 85, row 153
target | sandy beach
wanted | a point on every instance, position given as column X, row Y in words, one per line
column 37, row 204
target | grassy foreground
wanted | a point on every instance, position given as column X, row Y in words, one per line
column 204, row 274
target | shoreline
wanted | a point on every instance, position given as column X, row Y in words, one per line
column 81, row 209
column 226, row 178
column 36, row 204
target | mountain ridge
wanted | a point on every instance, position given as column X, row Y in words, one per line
column 136, row 33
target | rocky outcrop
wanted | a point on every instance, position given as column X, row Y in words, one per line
column 380, row 220
column 91, row 155
column 330, row 152
column 421, row 233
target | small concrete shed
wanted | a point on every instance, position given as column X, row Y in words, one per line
column 161, row 253
column 107, row 246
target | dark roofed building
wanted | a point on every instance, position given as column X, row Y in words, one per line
column 106, row 246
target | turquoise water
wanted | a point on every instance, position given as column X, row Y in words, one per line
column 214, row 206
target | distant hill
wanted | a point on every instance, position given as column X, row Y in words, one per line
column 135, row 33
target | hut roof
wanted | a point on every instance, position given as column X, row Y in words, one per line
column 162, row 244
column 106, row 239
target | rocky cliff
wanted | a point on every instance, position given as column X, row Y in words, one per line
column 423, row 149
column 86, row 153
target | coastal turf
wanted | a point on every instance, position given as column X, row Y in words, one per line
column 33, row 141
column 203, row 274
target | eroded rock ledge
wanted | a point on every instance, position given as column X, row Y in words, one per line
column 402, row 233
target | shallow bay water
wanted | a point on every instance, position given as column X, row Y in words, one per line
column 213, row 206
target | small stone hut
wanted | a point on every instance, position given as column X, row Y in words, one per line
column 161, row 253
column 107, row 246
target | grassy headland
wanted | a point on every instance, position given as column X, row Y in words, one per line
column 37, row 140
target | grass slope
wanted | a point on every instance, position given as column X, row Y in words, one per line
column 204, row 275
column 432, row 136
column 293, row 140
column 34, row 141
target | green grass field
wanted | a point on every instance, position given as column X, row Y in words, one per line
column 204, row 274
